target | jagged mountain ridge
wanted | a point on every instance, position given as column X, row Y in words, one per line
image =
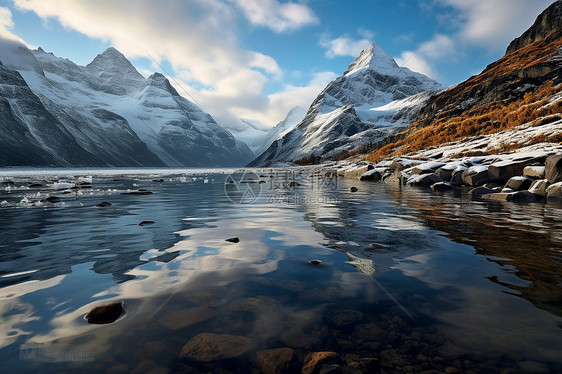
column 110, row 115
column 352, row 111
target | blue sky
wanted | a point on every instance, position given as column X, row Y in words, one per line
column 256, row 59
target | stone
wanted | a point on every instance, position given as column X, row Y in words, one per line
column 143, row 223
column 378, row 246
column 140, row 191
column 187, row 317
column 423, row 180
column 554, row 191
column 314, row 362
column 553, row 168
column 277, row 361
column 356, row 172
column 476, row 176
column 516, row 197
column 103, row 204
column 296, row 338
column 536, row 172
column 159, row 180
column 427, row 167
column 105, row 313
column 52, row 199
column 206, row 347
column 479, row 191
column 539, row 187
column 371, row 175
column 519, row 183
column 363, row 364
column 315, row 262
column 395, row 178
column 456, row 177
column 400, row 164
column 232, row 240
column 35, row 185
column 354, row 189
column 442, row 187
column 504, row 170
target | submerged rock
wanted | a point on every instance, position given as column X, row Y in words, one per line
column 105, row 313
column 317, row 362
column 277, row 361
column 186, row 317
column 206, row 347
column 104, row 204
column 232, row 240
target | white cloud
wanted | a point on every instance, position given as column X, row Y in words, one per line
column 492, row 24
column 6, row 26
column 438, row 47
column 416, row 61
column 344, row 45
column 197, row 37
column 279, row 17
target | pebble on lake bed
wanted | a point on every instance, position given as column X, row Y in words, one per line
column 232, row 240
column 105, row 313
column 315, row 262
column 147, row 223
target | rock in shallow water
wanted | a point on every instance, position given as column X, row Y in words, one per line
column 147, row 223
column 105, row 313
column 314, row 362
column 277, row 361
column 315, row 262
column 207, row 347
column 354, row 189
column 232, row 240
column 104, row 204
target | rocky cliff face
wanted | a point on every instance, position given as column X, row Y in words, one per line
column 102, row 114
column 547, row 26
column 367, row 103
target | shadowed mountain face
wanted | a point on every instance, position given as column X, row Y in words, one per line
column 372, row 99
column 103, row 114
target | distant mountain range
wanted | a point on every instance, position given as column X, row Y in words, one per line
column 56, row 113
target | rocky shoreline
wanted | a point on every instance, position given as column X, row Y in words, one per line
column 524, row 176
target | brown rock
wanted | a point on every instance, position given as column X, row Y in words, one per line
column 105, row 313
column 207, row 347
column 186, row 317
column 554, row 191
column 356, row 172
column 313, row 362
column 475, row 176
column 365, row 365
column 296, row 338
column 277, row 361
column 504, row 170
column 516, row 197
column 553, row 168
column 539, row 187
column 536, row 172
column 519, row 183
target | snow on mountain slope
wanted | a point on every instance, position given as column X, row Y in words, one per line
column 371, row 100
column 111, row 111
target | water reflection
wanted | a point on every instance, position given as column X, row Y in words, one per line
column 451, row 283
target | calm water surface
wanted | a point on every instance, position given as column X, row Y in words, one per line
column 451, row 284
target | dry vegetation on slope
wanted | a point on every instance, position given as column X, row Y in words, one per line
column 491, row 102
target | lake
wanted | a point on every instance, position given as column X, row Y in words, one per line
column 405, row 280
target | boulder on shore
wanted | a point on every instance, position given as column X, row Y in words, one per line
column 519, row 183
column 371, row 175
column 539, row 187
column 423, row 180
column 554, row 191
column 535, row 172
column 475, row 176
column 553, row 168
column 504, row 170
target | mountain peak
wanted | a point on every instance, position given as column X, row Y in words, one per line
column 113, row 62
column 375, row 58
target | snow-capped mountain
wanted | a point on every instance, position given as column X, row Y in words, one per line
column 259, row 139
column 103, row 114
column 374, row 98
